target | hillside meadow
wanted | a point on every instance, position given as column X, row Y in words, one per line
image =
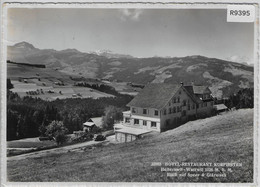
column 220, row 139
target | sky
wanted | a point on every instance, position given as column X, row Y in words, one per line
column 137, row 32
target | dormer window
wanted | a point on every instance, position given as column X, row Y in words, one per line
column 133, row 110
column 156, row 113
column 144, row 111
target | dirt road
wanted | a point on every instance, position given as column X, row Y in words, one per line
column 56, row 150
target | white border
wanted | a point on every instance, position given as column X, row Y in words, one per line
column 176, row 4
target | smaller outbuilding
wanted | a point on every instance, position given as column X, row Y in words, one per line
column 221, row 108
column 92, row 123
column 129, row 134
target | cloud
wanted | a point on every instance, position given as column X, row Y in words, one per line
column 130, row 14
column 241, row 59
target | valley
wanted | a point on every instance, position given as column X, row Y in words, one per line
column 223, row 77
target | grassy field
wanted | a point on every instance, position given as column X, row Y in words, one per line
column 29, row 143
column 45, row 79
column 219, row 139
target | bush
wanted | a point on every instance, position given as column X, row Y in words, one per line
column 82, row 138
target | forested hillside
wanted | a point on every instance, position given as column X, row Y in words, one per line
column 27, row 116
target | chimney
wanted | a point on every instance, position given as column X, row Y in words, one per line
column 181, row 83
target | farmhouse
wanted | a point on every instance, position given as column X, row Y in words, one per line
column 91, row 123
column 161, row 106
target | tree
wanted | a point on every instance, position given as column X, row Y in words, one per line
column 244, row 98
column 112, row 114
column 9, row 84
column 57, row 131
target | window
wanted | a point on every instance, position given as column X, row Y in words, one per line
column 164, row 111
column 174, row 99
column 127, row 120
column 133, row 110
column 178, row 109
column 144, row 111
column 170, row 110
column 144, row 123
column 174, row 109
column 156, row 112
column 153, row 124
column 188, row 106
column 178, row 100
column 184, row 102
column 193, row 106
column 180, row 92
column 136, row 121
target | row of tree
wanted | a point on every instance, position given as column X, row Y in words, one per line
column 29, row 117
column 99, row 87
column 244, row 98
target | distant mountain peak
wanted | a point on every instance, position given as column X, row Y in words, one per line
column 110, row 54
column 24, row 45
column 103, row 51
column 70, row 50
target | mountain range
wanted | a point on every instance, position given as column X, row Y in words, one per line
column 223, row 77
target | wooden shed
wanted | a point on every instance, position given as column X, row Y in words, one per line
column 221, row 108
column 92, row 122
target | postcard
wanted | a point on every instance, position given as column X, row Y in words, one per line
column 129, row 93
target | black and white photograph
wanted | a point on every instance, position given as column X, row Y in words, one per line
column 148, row 94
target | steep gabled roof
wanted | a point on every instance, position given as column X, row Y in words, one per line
column 155, row 95
column 190, row 92
column 97, row 121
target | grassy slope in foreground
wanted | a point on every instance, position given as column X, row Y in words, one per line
column 225, row 138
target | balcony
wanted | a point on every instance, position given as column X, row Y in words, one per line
column 127, row 114
column 126, row 124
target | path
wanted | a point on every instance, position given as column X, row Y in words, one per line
column 55, row 150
